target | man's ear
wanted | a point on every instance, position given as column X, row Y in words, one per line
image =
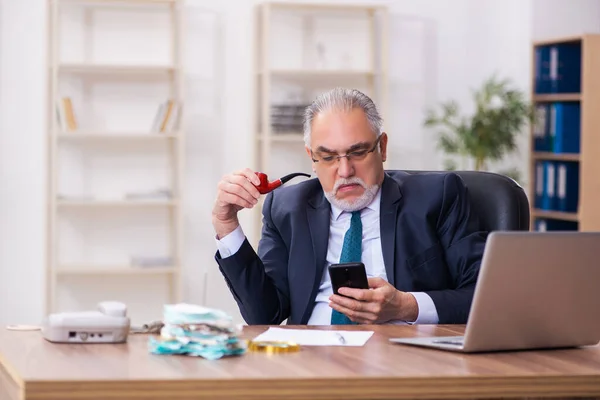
column 383, row 146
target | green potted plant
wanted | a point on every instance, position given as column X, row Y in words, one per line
column 490, row 133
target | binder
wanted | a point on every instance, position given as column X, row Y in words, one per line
column 551, row 135
column 542, row 70
column 540, row 127
column 540, row 225
column 540, row 184
column 548, row 197
column 567, row 186
column 566, row 127
column 565, row 68
column 548, row 224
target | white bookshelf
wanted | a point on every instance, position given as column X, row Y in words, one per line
column 300, row 74
column 90, row 135
column 113, row 270
column 114, row 181
column 95, row 69
column 115, row 203
column 302, row 50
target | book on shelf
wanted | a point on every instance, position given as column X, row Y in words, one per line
column 166, row 120
column 557, row 130
column 558, row 68
column 158, row 194
column 65, row 115
column 557, row 127
column 151, row 261
column 548, row 224
column 167, row 117
column 557, row 186
column 286, row 118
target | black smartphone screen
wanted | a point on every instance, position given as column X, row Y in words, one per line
column 351, row 275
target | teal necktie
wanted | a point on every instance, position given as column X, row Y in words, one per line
column 351, row 252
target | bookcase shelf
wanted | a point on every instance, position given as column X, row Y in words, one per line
column 558, row 40
column 550, row 98
column 324, row 7
column 565, row 143
column 299, row 55
column 120, row 2
column 116, row 136
column 115, row 203
column 115, row 163
column 557, row 215
column 316, row 73
column 546, row 155
column 108, row 69
column 86, row 270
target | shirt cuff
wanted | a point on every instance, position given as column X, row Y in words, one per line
column 427, row 311
column 231, row 243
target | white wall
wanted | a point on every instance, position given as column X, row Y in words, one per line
column 440, row 50
column 558, row 18
column 22, row 160
column 505, row 49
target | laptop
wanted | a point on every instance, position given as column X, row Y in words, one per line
column 536, row 290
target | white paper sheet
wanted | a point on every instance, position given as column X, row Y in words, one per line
column 312, row 337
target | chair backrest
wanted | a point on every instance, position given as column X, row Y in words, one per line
column 500, row 202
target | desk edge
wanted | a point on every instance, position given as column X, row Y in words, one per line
column 375, row 388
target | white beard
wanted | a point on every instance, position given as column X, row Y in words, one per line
column 357, row 204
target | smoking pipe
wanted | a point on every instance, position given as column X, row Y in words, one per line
column 266, row 186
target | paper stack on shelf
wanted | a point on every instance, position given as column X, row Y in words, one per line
column 158, row 194
column 287, row 118
column 151, row 261
column 197, row 331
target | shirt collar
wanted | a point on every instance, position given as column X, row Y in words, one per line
column 373, row 205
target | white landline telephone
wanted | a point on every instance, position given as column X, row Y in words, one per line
column 108, row 324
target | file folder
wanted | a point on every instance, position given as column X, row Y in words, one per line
column 566, row 127
column 565, row 67
column 548, row 224
column 540, row 183
column 551, row 134
column 540, row 127
column 542, row 70
column 567, row 186
column 548, row 197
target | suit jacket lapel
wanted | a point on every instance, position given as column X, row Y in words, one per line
column 318, row 212
column 390, row 201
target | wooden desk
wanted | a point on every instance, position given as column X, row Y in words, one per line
column 32, row 368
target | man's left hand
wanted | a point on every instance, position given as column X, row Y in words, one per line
column 380, row 303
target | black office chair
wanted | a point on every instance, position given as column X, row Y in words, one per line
column 499, row 201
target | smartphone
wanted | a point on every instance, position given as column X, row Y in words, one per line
column 353, row 275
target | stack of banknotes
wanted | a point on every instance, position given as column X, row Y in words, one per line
column 197, row 331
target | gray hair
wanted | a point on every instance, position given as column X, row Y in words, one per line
column 343, row 100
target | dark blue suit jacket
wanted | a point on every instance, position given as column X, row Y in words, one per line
column 429, row 238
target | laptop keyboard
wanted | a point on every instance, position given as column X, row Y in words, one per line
column 450, row 342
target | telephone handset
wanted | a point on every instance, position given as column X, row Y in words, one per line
column 108, row 324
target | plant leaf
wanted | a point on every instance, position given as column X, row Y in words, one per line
column 501, row 114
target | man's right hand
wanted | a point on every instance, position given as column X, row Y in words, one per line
column 234, row 192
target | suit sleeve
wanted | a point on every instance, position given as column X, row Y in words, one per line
column 258, row 282
column 464, row 242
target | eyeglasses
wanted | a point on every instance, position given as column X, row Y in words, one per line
column 354, row 155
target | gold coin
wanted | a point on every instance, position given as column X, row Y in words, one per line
column 273, row 347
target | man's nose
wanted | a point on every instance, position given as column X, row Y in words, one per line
column 345, row 168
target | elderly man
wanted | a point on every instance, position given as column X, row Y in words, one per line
column 420, row 243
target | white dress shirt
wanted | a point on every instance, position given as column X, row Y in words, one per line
column 372, row 257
